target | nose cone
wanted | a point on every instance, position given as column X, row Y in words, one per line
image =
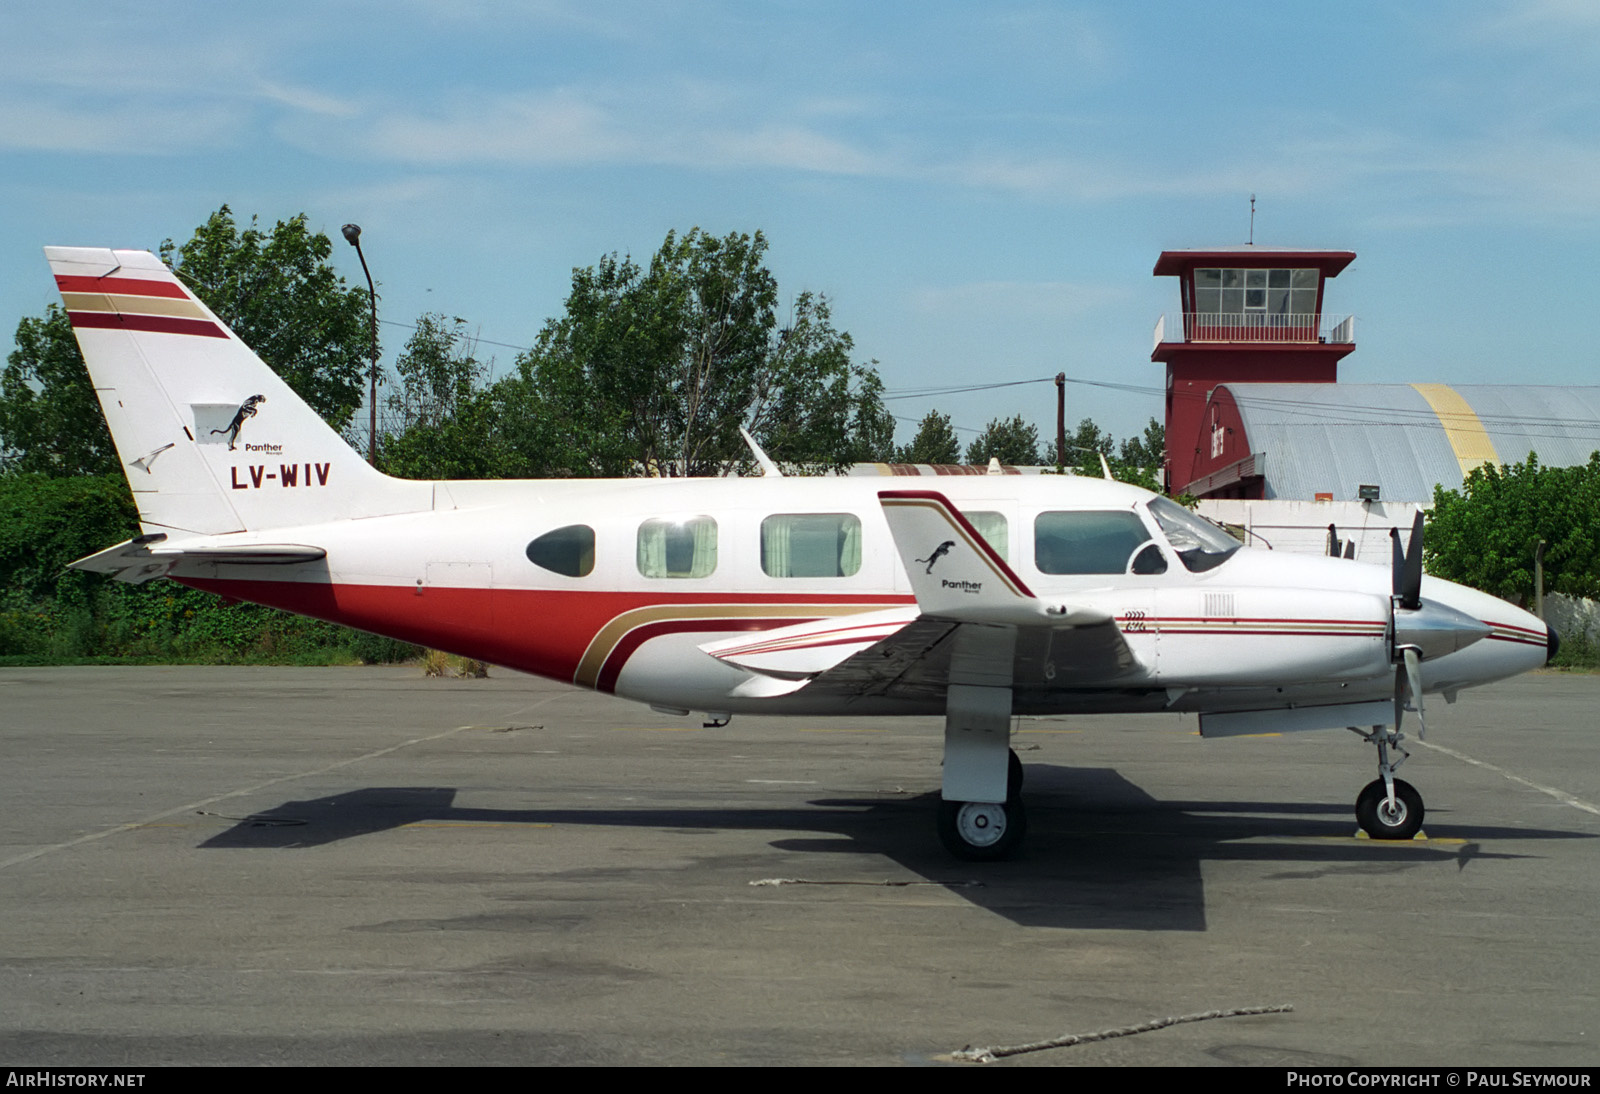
column 1435, row 629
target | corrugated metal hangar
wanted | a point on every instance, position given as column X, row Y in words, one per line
column 1328, row 441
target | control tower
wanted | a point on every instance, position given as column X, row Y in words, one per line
column 1247, row 314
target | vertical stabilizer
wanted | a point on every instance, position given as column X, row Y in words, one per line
column 211, row 439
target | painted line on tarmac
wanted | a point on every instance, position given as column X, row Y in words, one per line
column 1559, row 795
column 40, row 852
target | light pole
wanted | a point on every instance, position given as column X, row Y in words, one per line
column 352, row 233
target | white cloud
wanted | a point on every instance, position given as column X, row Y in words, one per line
column 133, row 129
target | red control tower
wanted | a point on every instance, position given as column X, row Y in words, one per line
column 1249, row 315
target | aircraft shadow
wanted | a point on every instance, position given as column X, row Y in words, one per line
column 1101, row 853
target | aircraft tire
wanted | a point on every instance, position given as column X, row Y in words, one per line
column 982, row 831
column 1372, row 810
column 1014, row 776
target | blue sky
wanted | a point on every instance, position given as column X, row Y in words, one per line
column 981, row 190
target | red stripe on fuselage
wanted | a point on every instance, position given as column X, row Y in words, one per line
column 542, row 631
column 161, row 324
column 121, row 286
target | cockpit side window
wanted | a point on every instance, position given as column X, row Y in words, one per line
column 1087, row 542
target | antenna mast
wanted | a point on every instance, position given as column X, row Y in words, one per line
column 1252, row 220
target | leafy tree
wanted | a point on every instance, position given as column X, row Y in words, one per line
column 935, row 442
column 1484, row 535
column 280, row 293
column 1087, row 445
column 443, row 425
column 1009, row 441
column 438, row 372
column 658, row 367
column 1147, row 451
column 50, row 420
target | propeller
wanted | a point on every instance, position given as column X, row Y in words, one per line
column 1407, row 572
column 1408, row 567
column 1423, row 629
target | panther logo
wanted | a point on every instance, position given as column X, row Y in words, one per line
column 247, row 409
column 938, row 553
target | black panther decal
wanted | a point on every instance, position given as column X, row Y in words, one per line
column 938, row 553
column 247, row 409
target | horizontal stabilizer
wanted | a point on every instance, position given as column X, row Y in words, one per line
column 806, row 649
column 957, row 576
column 147, row 557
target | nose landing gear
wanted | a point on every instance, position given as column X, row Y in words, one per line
column 1388, row 808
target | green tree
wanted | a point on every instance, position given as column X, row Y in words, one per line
column 1087, row 445
column 279, row 292
column 657, row 368
column 1011, row 441
column 442, row 424
column 1147, row 451
column 437, row 371
column 1484, row 535
column 935, row 442
column 50, row 420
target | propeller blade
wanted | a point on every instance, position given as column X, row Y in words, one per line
column 1349, row 548
column 1413, row 666
column 1398, row 568
column 1333, row 542
column 1409, row 588
column 1399, row 696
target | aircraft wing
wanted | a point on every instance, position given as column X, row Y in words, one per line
column 973, row 617
column 145, row 558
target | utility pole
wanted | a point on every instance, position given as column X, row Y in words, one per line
column 352, row 233
column 1061, row 422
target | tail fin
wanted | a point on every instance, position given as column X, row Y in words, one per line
column 211, row 439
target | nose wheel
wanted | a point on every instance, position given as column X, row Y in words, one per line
column 1382, row 818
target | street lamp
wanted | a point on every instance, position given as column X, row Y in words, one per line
column 352, row 234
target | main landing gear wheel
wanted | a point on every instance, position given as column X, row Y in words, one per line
column 982, row 831
column 1013, row 776
column 1379, row 820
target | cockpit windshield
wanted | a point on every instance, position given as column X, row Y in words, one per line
column 1199, row 543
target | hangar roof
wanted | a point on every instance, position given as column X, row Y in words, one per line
column 1405, row 438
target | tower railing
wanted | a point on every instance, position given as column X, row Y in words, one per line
column 1256, row 326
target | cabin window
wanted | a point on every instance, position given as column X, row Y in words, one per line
column 992, row 527
column 811, row 545
column 678, row 548
column 1087, row 542
column 568, row 551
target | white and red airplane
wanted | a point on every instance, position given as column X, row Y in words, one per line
column 994, row 596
